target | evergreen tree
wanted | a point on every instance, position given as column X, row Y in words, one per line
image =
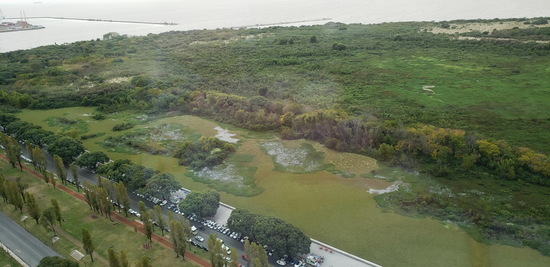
column 74, row 171
column 60, row 168
column 13, row 151
column 39, row 159
column 47, row 219
column 147, row 225
column 123, row 198
column 87, row 243
column 3, row 192
column 32, row 207
column 113, row 258
column 144, row 262
column 123, row 259
column 57, row 210
column 159, row 217
column 13, row 195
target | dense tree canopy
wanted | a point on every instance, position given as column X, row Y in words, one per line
column 206, row 152
column 161, row 185
column 67, row 148
column 92, row 160
column 203, row 204
column 56, row 261
column 282, row 237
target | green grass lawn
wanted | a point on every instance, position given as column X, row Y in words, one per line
column 6, row 260
column 77, row 215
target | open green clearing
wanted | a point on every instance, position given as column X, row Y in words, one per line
column 331, row 208
column 6, row 260
column 78, row 215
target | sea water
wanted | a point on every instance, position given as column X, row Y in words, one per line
column 211, row 14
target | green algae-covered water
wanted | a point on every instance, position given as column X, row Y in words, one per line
column 326, row 206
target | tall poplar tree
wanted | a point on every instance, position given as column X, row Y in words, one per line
column 74, row 171
column 123, row 198
column 13, row 151
column 32, row 207
column 159, row 217
column 87, row 243
column 57, row 210
column 123, row 259
column 113, row 258
column 60, row 168
column 47, row 219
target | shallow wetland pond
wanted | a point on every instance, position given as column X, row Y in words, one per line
column 329, row 201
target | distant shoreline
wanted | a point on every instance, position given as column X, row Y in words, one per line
column 105, row 20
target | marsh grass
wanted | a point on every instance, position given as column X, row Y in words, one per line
column 65, row 124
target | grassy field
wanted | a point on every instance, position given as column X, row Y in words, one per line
column 77, row 215
column 7, row 261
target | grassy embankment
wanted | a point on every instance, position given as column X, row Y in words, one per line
column 77, row 215
column 6, row 260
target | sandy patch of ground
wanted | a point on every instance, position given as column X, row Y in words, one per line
column 393, row 187
column 118, row 80
column 230, row 40
column 483, row 27
column 225, row 135
column 498, row 39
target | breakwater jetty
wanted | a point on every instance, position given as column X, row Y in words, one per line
column 280, row 23
column 106, row 20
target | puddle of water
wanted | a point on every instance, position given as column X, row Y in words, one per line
column 393, row 187
column 225, row 135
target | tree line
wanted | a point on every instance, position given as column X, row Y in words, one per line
column 279, row 236
column 442, row 151
column 68, row 151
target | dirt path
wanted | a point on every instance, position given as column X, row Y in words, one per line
column 188, row 255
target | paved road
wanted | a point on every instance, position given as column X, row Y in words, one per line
column 22, row 243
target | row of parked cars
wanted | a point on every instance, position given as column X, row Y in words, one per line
column 134, row 212
column 153, row 199
column 220, row 228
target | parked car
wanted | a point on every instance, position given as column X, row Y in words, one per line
column 200, row 238
column 281, row 262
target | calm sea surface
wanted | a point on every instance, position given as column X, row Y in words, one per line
column 209, row 14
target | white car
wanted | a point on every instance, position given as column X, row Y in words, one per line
column 281, row 262
column 200, row 238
